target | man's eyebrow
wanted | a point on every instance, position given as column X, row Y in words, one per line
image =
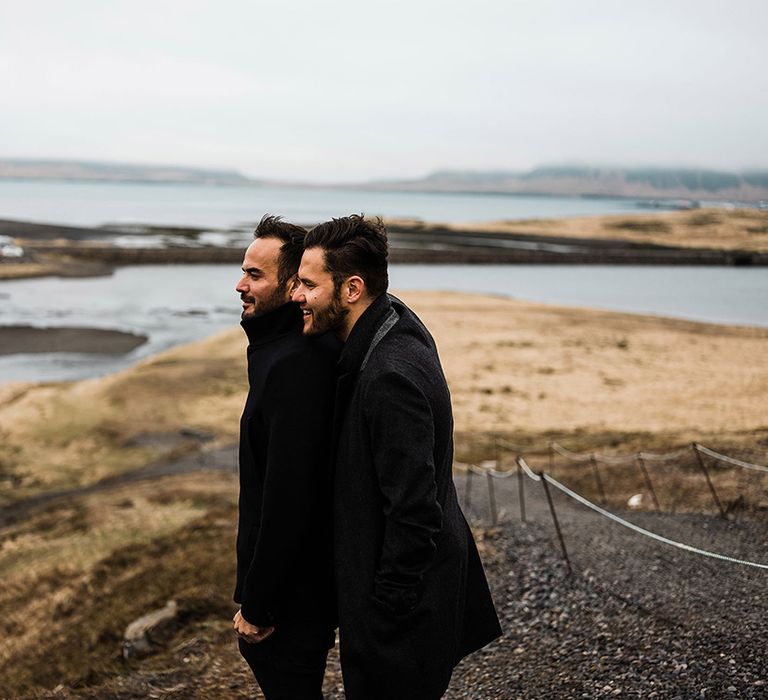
column 251, row 270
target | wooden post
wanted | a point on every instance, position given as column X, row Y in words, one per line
column 492, row 498
column 468, row 490
column 709, row 481
column 551, row 458
column 557, row 524
column 648, row 482
column 598, row 480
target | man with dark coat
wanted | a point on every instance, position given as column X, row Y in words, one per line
column 412, row 595
column 286, row 622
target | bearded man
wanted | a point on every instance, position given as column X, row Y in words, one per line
column 412, row 595
column 286, row 621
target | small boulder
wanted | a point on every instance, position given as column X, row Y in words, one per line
column 146, row 633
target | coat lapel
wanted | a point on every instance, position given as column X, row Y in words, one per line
column 345, row 386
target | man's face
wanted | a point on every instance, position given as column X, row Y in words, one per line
column 317, row 295
column 258, row 287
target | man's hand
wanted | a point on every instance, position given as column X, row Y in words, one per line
column 248, row 632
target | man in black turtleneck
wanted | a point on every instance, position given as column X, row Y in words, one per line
column 286, row 619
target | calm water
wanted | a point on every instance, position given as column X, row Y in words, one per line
column 93, row 204
column 177, row 304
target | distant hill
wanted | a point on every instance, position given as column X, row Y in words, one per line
column 565, row 180
column 116, row 172
column 597, row 181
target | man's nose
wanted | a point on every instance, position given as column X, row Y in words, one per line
column 241, row 288
column 298, row 294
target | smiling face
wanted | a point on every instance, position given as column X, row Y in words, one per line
column 259, row 288
column 319, row 298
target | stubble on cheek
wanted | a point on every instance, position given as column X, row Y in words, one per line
column 330, row 318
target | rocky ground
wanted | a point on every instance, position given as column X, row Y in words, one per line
column 635, row 619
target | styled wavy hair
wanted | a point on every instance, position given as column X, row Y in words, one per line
column 353, row 245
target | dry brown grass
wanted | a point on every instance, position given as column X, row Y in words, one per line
column 723, row 229
column 520, row 368
column 76, row 574
column 531, row 368
column 65, row 435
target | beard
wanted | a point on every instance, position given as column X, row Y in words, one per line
column 330, row 318
column 265, row 305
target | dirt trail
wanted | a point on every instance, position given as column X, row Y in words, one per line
column 220, row 459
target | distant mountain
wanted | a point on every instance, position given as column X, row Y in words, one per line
column 116, row 172
column 597, row 181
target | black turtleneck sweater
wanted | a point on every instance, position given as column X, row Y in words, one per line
column 284, row 557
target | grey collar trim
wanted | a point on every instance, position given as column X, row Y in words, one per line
column 391, row 319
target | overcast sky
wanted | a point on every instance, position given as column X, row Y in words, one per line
column 339, row 90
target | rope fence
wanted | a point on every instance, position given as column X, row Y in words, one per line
column 547, row 479
column 728, row 460
column 641, row 459
column 653, row 456
column 524, row 470
column 491, row 471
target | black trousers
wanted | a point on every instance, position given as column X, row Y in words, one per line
column 290, row 663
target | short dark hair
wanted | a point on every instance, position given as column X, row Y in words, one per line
column 292, row 237
column 353, row 245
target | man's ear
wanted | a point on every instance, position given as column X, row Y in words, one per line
column 290, row 286
column 353, row 289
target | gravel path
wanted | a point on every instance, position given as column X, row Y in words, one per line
column 637, row 619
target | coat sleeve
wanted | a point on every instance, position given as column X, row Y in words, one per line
column 297, row 409
column 401, row 429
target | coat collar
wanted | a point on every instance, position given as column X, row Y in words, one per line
column 362, row 334
column 281, row 321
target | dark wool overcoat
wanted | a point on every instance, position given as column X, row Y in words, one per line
column 284, row 558
column 412, row 595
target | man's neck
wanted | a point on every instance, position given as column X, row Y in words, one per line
column 355, row 312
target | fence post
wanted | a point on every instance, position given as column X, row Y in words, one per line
column 557, row 524
column 648, row 482
column 520, row 490
column 492, row 498
column 709, row 481
column 468, row 490
column 598, row 480
column 551, row 458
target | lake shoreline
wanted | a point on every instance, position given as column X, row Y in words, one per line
column 672, row 238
